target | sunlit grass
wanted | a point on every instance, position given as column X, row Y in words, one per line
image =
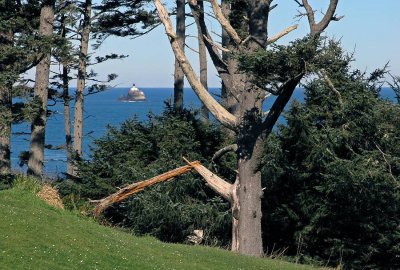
column 35, row 235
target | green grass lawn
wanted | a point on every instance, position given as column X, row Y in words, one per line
column 34, row 235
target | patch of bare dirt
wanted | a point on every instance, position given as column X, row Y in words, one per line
column 50, row 195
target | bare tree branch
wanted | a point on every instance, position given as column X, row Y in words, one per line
column 218, row 46
column 215, row 182
column 219, row 112
column 387, row 163
column 223, row 151
column 322, row 74
column 281, row 34
column 215, row 56
column 131, row 189
column 190, row 48
column 225, row 22
column 272, row 7
column 318, row 28
column 280, row 103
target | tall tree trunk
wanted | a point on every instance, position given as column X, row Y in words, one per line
column 38, row 127
column 5, row 129
column 247, row 192
column 203, row 63
column 66, row 99
column 78, row 123
column 67, row 121
column 180, row 34
column 5, row 111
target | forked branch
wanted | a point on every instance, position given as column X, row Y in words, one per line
column 220, row 113
column 318, row 28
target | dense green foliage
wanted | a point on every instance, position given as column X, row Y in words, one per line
column 140, row 150
column 333, row 173
column 35, row 235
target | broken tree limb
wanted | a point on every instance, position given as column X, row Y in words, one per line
column 131, row 189
column 281, row 34
column 215, row 182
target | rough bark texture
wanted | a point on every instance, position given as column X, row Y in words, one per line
column 180, row 37
column 5, row 129
column 79, row 99
column 38, row 127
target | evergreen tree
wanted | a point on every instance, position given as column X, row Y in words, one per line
column 42, row 77
column 18, row 53
column 333, row 173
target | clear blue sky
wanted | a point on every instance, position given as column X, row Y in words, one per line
column 371, row 28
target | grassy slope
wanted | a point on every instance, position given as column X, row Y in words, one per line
column 34, row 235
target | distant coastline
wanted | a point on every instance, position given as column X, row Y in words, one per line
column 103, row 109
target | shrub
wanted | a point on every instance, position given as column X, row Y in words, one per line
column 137, row 151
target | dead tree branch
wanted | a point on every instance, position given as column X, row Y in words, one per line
column 318, row 28
column 216, row 58
column 220, row 113
column 223, row 151
column 281, row 34
column 131, row 189
column 215, row 182
column 214, row 44
column 225, row 22
column 322, row 74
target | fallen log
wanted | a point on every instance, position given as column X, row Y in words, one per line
column 131, row 189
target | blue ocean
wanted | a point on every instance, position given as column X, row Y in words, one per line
column 100, row 110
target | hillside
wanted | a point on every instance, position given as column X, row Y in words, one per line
column 35, row 235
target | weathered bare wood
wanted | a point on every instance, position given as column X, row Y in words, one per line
column 225, row 23
column 216, row 45
column 219, row 112
column 215, row 182
column 281, row 34
column 131, row 189
column 219, row 63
